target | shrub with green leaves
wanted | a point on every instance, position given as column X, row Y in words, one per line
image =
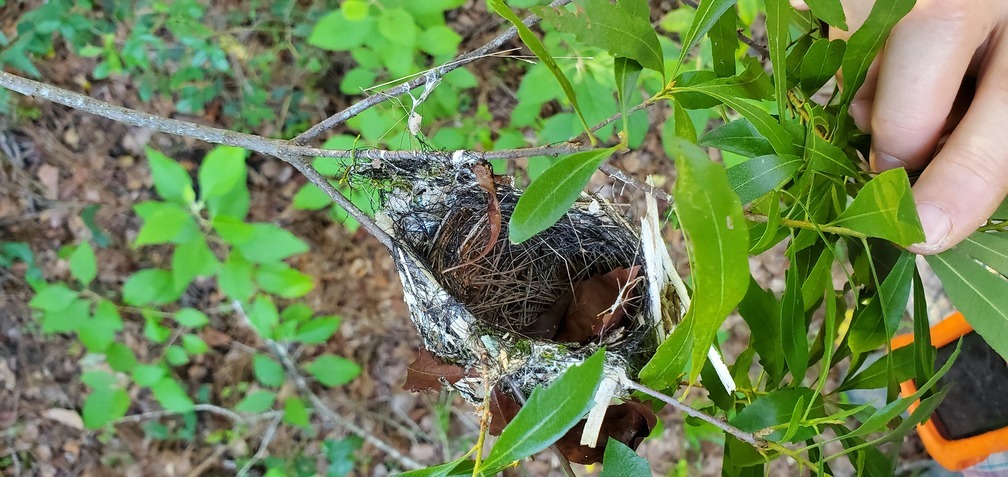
column 210, row 241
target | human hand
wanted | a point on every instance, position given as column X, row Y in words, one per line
column 936, row 99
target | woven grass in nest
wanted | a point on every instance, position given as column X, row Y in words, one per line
column 483, row 312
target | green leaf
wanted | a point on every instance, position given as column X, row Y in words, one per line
column 280, row 279
column 397, row 25
column 760, row 175
column 923, row 351
column 149, row 286
column 707, row 14
column 990, row 249
column 263, row 316
column 335, row 32
column 163, row 222
column 194, row 345
column 222, row 169
column 148, row 375
column 439, row 40
column 67, row 319
column 621, row 461
column 820, row 63
column 825, row 157
column 54, row 297
column 829, row 11
column 310, row 197
column 83, row 265
column 887, row 413
column 460, row 467
column 711, row 217
column 98, row 332
column 602, row 24
column 778, row 137
column 317, row 330
column 235, row 278
column 187, row 317
column 894, row 293
column 866, row 42
column 171, row 180
column 977, row 292
column 295, row 412
column 794, row 332
column 669, row 362
column 534, row 44
column 876, row 375
column 256, row 402
column 103, row 406
column 176, row 356
column 193, row 259
column 267, row 371
column 549, row 197
column 548, row 414
column 761, row 311
column 885, row 208
column 333, row 370
column 778, row 17
column 120, row 358
column 776, row 409
column 171, row 396
column 626, row 72
column 724, row 43
column 270, row 243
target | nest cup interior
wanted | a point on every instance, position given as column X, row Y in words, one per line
column 514, row 285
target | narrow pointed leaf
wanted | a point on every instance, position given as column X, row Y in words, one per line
column 778, row 17
column 885, row 208
column 712, row 219
column 829, row 11
column 548, row 414
column 534, row 44
column 707, row 14
column 760, row 175
column 602, row 24
column 551, row 195
column 978, row 293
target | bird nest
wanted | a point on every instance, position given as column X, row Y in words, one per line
column 517, row 312
column 502, row 318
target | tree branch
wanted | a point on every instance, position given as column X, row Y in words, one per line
column 293, row 154
column 432, row 75
column 755, row 45
column 724, row 426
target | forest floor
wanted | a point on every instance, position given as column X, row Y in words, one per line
column 54, row 165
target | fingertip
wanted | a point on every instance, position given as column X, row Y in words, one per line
column 881, row 161
column 860, row 111
column 937, row 224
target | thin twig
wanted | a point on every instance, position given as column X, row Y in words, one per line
column 375, row 99
column 618, row 174
column 724, row 426
column 208, row 408
column 263, row 447
column 291, row 369
column 208, row 462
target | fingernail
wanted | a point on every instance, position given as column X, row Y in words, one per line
column 937, row 224
column 881, row 161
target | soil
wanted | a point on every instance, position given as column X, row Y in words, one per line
column 58, row 163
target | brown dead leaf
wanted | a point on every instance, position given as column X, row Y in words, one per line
column 629, row 423
column 589, row 314
column 548, row 323
column 67, row 417
column 503, row 408
column 426, row 372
